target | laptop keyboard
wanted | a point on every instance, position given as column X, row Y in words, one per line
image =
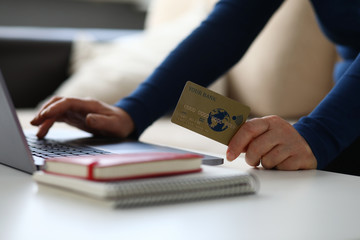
column 45, row 148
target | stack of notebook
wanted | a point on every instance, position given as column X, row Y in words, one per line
column 128, row 180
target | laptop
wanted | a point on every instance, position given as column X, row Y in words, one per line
column 23, row 151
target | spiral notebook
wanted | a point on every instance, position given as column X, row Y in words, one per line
column 211, row 182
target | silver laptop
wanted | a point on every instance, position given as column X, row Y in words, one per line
column 27, row 153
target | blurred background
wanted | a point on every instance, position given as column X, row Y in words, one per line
column 36, row 39
column 125, row 14
column 104, row 48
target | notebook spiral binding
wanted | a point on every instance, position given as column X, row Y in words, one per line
column 156, row 191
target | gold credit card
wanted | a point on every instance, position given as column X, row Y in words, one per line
column 209, row 113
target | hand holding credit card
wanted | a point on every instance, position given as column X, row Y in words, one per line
column 209, row 113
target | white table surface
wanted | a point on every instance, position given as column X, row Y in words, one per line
column 289, row 205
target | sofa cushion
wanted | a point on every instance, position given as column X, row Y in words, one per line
column 288, row 69
column 109, row 71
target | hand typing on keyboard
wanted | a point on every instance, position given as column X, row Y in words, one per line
column 89, row 115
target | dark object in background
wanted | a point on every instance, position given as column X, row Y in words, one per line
column 35, row 60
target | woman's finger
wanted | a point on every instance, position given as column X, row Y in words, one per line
column 248, row 131
column 44, row 128
column 260, row 146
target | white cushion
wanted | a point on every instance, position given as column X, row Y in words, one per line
column 110, row 71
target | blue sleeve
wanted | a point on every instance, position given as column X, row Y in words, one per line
column 211, row 50
column 335, row 122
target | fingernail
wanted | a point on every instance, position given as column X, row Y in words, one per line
column 43, row 112
column 34, row 121
column 230, row 156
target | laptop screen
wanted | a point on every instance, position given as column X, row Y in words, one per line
column 13, row 146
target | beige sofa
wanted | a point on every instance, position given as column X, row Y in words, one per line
column 287, row 70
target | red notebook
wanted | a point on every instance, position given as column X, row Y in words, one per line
column 111, row 167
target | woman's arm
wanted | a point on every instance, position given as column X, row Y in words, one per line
column 334, row 124
column 211, row 50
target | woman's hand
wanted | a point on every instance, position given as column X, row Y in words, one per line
column 274, row 143
column 89, row 115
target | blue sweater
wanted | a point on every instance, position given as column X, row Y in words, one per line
column 220, row 42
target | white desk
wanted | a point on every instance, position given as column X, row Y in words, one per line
column 289, row 205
